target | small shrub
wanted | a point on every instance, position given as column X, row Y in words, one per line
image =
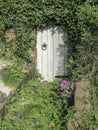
column 39, row 105
column 12, row 75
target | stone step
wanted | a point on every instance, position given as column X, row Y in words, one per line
column 5, row 89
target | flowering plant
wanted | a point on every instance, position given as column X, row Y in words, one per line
column 65, row 91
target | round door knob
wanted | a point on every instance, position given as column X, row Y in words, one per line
column 44, row 46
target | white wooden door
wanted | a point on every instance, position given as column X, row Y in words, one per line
column 51, row 52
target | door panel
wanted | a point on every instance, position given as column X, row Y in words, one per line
column 50, row 54
column 56, row 50
column 44, row 53
column 39, row 52
column 51, row 59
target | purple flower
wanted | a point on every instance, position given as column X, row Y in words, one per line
column 65, row 84
column 69, row 94
column 61, row 93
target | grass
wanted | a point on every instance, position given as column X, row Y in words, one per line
column 36, row 107
column 12, row 75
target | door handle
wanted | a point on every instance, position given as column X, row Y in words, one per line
column 44, row 46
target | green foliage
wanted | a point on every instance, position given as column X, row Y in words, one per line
column 86, row 54
column 24, row 16
column 37, row 106
column 80, row 18
column 90, row 118
column 12, row 75
column 7, row 46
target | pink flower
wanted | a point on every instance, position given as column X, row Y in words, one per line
column 65, row 84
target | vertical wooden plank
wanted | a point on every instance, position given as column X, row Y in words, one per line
column 66, row 52
column 39, row 51
column 44, row 58
column 50, row 54
column 61, row 54
column 56, row 51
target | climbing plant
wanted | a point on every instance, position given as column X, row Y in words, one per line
column 24, row 16
column 79, row 17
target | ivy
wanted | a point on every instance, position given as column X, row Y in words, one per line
column 80, row 18
column 24, row 16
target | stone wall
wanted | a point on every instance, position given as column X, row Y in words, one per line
column 82, row 104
